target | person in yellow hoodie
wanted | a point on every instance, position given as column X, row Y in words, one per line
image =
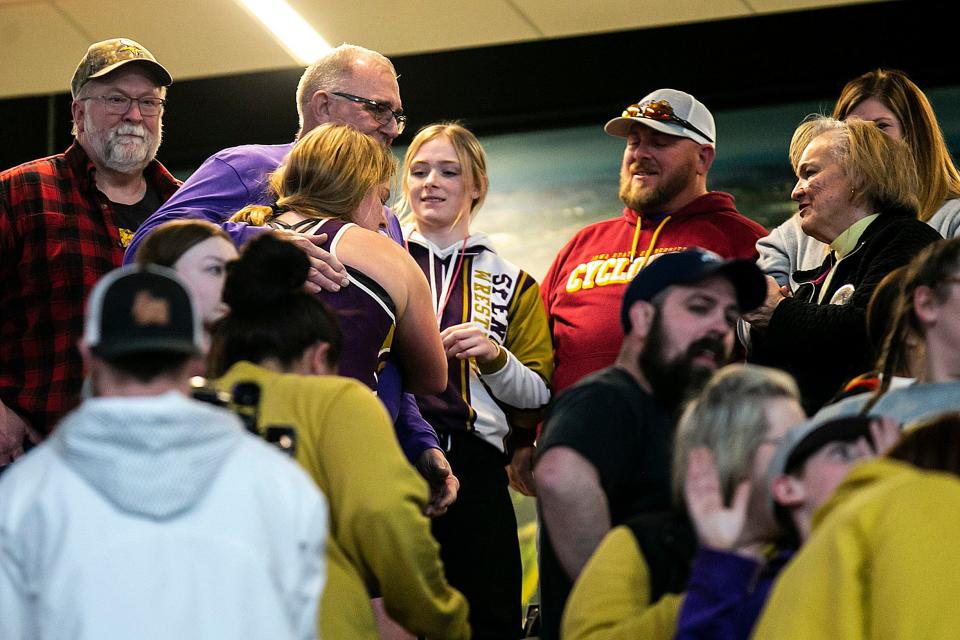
column 285, row 341
column 725, row 440
column 881, row 559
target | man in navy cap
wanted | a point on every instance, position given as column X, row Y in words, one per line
column 607, row 444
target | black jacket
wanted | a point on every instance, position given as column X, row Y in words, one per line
column 824, row 345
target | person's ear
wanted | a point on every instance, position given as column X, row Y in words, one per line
column 641, row 316
column 77, row 110
column 705, row 159
column 320, row 106
column 788, row 491
column 85, row 354
column 318, row 359
column 925, row 305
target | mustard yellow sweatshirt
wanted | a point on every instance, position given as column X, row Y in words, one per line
column 379, row 538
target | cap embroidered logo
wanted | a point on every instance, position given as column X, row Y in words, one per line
column 148, row 310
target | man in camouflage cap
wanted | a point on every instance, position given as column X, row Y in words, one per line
column 64, row 222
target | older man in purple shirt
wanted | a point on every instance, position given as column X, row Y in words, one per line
column 352, row 85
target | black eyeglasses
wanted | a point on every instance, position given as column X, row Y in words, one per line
column 662, row 111
column 118, row 104
column 381, row 112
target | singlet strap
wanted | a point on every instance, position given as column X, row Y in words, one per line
column 304, row 226
column 373, row 288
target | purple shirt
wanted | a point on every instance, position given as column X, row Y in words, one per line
column 230, row 180
column 725, row 595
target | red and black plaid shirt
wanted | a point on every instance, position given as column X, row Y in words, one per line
column 57, row 238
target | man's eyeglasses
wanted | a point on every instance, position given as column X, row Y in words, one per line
column 662, row 111
column 381, row 112
column 118, row 105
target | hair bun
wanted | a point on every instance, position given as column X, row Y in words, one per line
column 269, row 270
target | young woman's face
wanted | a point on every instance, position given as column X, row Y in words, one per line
column 370, row 214
column 438, row 195
column 203, row 268
column 876, row 112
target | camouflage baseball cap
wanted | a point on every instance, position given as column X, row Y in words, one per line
column 103, row 57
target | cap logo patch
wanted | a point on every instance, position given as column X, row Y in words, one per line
column 133, row 50
column 149, row 310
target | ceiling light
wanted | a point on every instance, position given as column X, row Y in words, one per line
column 293, row 33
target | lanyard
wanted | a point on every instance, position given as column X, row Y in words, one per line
column 442, row 297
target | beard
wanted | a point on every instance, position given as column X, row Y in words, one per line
column 675, row 381
column 124, row 148
column 656, row 199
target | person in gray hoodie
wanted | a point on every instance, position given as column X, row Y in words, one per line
column 151, row 515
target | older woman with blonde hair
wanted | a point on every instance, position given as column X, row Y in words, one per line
column 856, row 190
column 335, row 182
column 898, row 107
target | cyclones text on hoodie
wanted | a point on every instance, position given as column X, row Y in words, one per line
column 583, row 288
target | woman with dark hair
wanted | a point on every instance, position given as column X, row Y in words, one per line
column 932, row 445
column 199, row 252
column 856, row 190
column 898, row 107
column 286, row 341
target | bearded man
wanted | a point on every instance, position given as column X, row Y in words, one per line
column 671, row 144
column 64, row 222
column 607, row 442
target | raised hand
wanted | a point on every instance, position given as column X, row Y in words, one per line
column 717, row 525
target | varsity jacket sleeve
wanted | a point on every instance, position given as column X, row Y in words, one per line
column 381, row 527
column 522, row 370
column 610, row 599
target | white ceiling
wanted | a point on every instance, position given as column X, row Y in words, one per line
column 41, row 41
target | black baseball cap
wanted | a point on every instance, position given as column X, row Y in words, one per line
column 139, row 308
column 694, row 265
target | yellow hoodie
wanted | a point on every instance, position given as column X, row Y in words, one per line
column 883, row 562
column 379, row 538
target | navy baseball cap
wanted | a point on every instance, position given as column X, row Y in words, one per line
column 806, row 439
column 139, row 308
column 694, row 265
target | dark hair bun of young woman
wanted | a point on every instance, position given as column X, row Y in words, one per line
column 269, row 270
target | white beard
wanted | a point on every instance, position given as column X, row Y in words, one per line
column 125, row 148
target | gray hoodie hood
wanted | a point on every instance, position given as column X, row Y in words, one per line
column 152, row 457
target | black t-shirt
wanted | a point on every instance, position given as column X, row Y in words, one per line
column 616, row 425
column 128, row 217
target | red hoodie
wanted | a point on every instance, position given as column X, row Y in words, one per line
column 584, row 286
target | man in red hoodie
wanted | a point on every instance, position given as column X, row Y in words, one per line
column 671, row 143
